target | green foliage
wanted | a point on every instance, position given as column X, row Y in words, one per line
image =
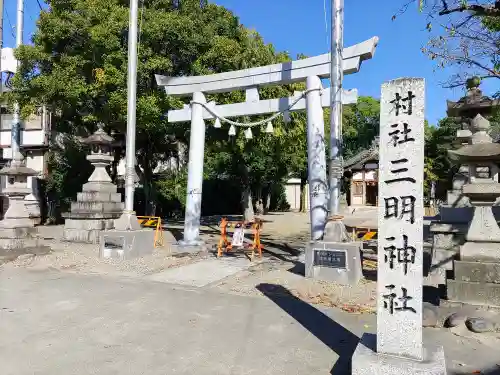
column 68, row 170
column 172, row 187
column 361, row 122
column 438, row 167
column 78, row 66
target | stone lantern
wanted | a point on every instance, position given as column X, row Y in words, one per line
column 17, row 215
column 476, row 273
column 17, row 231
column 99, row 203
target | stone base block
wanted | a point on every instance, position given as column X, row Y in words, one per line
column 18, row 243
column 81, row 235
column 473, row 293
column 99, row 224
column 126, row 244
column 193, row 247
column 479, row 272
column 102, row 187
column 442, row 258
column 92, row 206
column 366, row 361
column 436, row 276
column 335, row 231
column 26, row 232
column 338, row 262
column 480, row 251
column 82, row 215
column 19, row 222
column 455, row 198
column 98, row 196
column 448, row 236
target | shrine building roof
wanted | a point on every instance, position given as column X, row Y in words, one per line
column 357, row 161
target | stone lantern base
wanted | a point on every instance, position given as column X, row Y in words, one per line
column 95, row 210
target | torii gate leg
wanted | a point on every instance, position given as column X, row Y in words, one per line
column 195, row 173
column 316, row 159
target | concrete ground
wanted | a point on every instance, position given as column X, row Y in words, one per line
column 71, row 312
column 54, row 322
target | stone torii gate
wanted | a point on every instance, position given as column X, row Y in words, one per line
column 313, row 100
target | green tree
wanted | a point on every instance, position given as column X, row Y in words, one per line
column 78, row 65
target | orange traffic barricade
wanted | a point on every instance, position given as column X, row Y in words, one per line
column 238, row 239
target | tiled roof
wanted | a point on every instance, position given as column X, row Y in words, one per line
column 363, row 156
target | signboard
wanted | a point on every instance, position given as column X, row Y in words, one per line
column 9, row 62
column 238, row 236
column 330, row 258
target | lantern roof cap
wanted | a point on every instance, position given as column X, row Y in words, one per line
column 99, row 137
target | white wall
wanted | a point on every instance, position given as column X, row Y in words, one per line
column 292, row 193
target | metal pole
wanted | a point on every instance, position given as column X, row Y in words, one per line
column 336, row 76
column 131, row 109
column 128, row 221
column 17, row 157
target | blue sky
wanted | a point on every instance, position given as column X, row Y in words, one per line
column 298, row 26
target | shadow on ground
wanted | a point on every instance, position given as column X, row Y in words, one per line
column 493, row 371
column 342, row 341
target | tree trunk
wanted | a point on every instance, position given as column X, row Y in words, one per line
column 303, row 183
column 267, row 202
column 148, row 188
column 246, row 200
column 259, row 205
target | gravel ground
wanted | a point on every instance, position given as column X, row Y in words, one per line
column 280, row 231
column 84, row 258
column 276, row 276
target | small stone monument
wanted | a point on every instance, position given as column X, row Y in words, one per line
column 398, row 346
column 477, row 276
column 98, row 204
column 334, row 261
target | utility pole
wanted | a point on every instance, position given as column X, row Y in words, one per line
column 336, row 77
column 128, row 220
column 17, row 157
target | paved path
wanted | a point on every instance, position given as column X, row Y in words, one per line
column 61, row 323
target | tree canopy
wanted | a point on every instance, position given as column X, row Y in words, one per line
column 464, row 36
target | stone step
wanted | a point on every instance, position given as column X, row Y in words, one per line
column 473, row 293
column 97, row 196
column 435, row 277
column 89, row 224
column 480, row 272
column 81, row 235
column 443, row 258
column 96, row 207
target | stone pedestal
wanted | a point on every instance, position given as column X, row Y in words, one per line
column 99, row 204
column 366, row 361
